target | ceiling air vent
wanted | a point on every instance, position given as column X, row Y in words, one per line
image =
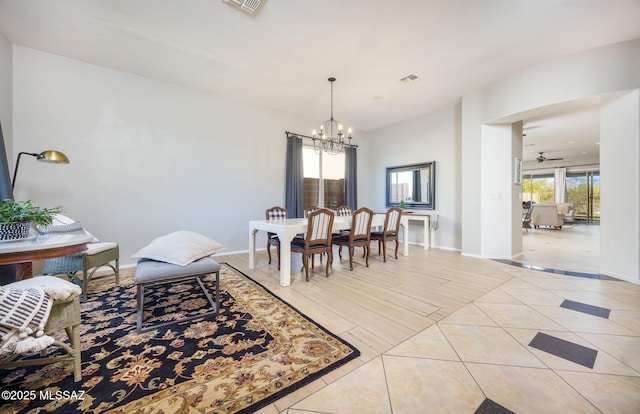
column 409, row 78
column 249, row 6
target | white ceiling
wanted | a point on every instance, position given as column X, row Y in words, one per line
column 282, row 56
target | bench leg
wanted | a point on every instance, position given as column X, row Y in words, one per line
column 215, row 302
column 140, row 306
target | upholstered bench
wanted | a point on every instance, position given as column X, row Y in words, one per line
column 152, row 272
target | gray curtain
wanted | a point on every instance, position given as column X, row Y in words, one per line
column 351, row 177
column 294, row 191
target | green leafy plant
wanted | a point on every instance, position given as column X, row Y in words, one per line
column 24, row 211
column 402, row 203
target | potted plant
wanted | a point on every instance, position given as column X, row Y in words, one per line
column 16, row 218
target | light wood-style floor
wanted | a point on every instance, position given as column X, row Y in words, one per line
column 441, row 330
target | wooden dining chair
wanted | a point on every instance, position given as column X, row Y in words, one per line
column 317, row 239
column 389, row 232
column 358, row 236
column 274, row 213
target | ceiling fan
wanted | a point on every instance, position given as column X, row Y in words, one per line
column 543, row 158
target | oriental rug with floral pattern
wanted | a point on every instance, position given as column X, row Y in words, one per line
column 255, row 351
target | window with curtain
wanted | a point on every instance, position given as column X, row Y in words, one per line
column 323, row 179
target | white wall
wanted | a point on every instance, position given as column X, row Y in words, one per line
column 431, row 137
column 6, row 92
column 147, row 157
column 620, row 187
column 471, row 139
column 499, row 195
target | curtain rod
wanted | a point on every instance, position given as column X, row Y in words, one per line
column 593, row 166
column 314, row 138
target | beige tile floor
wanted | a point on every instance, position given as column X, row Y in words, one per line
column 443, row 333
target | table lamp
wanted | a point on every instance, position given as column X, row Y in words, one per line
column 45, row 156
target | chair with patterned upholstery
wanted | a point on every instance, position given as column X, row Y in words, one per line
column 64, row 315
column 344, row 211
column 389, row 232
column 310, row 210
column 317, row 239
column 274, row 213
column 358, row 236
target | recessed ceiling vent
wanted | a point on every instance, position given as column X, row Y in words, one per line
column 409, row 78
column 249, row 6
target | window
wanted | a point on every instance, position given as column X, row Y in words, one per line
column 538, row 188
column 583, row 191
column 323, row 179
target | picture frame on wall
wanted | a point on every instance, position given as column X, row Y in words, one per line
column 517, row 176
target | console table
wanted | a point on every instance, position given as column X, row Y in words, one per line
column 426, row 222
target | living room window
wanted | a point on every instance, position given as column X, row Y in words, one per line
column 538, row 188
column 323, row 179
column 583, row 191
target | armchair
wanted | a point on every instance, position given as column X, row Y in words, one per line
column 97, row 255
column 64, row 314
column 546, row 215
column 568, row 211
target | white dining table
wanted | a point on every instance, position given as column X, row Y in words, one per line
column 286, row 229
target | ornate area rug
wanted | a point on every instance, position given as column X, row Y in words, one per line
column 255, row 351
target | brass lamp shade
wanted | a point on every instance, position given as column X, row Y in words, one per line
column 52, row 156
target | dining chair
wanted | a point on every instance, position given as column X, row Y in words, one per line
column 389, row 232
column 274, row 213
column 310, row 210
column 317, row 239
column 344, row 211
column 358, row 236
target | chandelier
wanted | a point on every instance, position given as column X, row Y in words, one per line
column 331, row 139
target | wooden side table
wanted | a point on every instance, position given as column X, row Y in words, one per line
column 23, row 252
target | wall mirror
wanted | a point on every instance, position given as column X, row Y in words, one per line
column 415, row 184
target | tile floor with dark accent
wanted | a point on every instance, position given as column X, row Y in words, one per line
column 540, row 343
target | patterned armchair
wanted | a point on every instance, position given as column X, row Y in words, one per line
column 64, row 315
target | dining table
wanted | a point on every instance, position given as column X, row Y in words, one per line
column 288, row 228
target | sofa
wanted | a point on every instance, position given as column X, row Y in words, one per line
column 546, row 215
column 568, row 211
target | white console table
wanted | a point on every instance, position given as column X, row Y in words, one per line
column 426, row 222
